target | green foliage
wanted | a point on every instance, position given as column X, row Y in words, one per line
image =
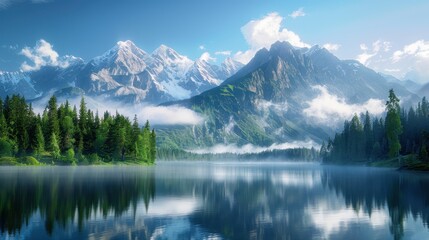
column 423, row 154
column 40, row 141
column 62, row 134
column 393, row 124
column 297, row 154
column 29, row 160
column 7, row 148
column 69, row 156
column 54, row 147
column 381, row 139
column 9, row 161
column 53, row 126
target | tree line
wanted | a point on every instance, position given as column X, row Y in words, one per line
column 400, row 132
column 293, row 154
column 66, row 133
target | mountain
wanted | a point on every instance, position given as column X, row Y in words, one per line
column 203, row 75
column 424, row 91
column 124, row 73
column 17, row 82
column 265, row 102
column 411, row 85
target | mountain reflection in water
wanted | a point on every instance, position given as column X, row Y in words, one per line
column 213, row 200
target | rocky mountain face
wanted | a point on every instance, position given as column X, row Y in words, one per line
column 125, row 73
column 266, row 101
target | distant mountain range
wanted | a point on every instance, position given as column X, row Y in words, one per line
column 125, row 73
column 266, row 102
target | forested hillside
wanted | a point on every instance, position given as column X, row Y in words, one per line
column 403, row 132
column 67, row 135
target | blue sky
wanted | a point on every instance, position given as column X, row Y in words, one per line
column 390, row 36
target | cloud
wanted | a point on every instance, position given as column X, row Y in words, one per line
column 377, row 47
column 7, row 3
column 157, row 115
column 207, row 57
column 419, row 49
column 202, row 47
column 410, row 61
column 250, row 148
column 42, row 55
column 265, row 106
column 332, row 47
column 414, row 58
column 224, row 53
column 263, row 32
column 297, row 13
column 169, row 115
column 331, row 110
column 10, row 47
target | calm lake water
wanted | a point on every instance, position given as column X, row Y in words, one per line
column 213, row 200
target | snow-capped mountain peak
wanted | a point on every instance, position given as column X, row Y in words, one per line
column 168, row 55
column 124, row 72
column 123, row 59
column 169, row 62
column 69, row 60
column 231, row 66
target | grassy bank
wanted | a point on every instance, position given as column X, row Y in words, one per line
column 407, row 162
column 50, row 161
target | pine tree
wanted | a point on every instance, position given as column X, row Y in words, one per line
column 393, row 124
column 152, row 146
column 146, row 142
column 40, row 140
column 135, row 135
column 3, row 126
column 82, row 126
column 53, row 126
column 67, row 135
column 369, row 138
column 54, row 148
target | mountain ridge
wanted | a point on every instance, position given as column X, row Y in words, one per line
column 266, row 101
column 124, row 73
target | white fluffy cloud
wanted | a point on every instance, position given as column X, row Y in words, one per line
column 330, row 110
column 157, row 115
column 332, row 47
column 207, row 57
column 409, row 62
column 202, row 47
column 297, row 13
column 250, row 148
column 419, row 49
column 169, row 115
column 263, row 32
column 43, row 54
column 368, row 54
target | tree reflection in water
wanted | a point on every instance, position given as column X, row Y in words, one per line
column 63, row 194
column 232, row 201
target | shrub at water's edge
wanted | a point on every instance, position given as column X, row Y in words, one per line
column 65, row 135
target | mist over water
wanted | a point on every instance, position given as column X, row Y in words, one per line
column 213, row 200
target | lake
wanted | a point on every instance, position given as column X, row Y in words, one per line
column 213, row 200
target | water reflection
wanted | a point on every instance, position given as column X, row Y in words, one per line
column 200, row 200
